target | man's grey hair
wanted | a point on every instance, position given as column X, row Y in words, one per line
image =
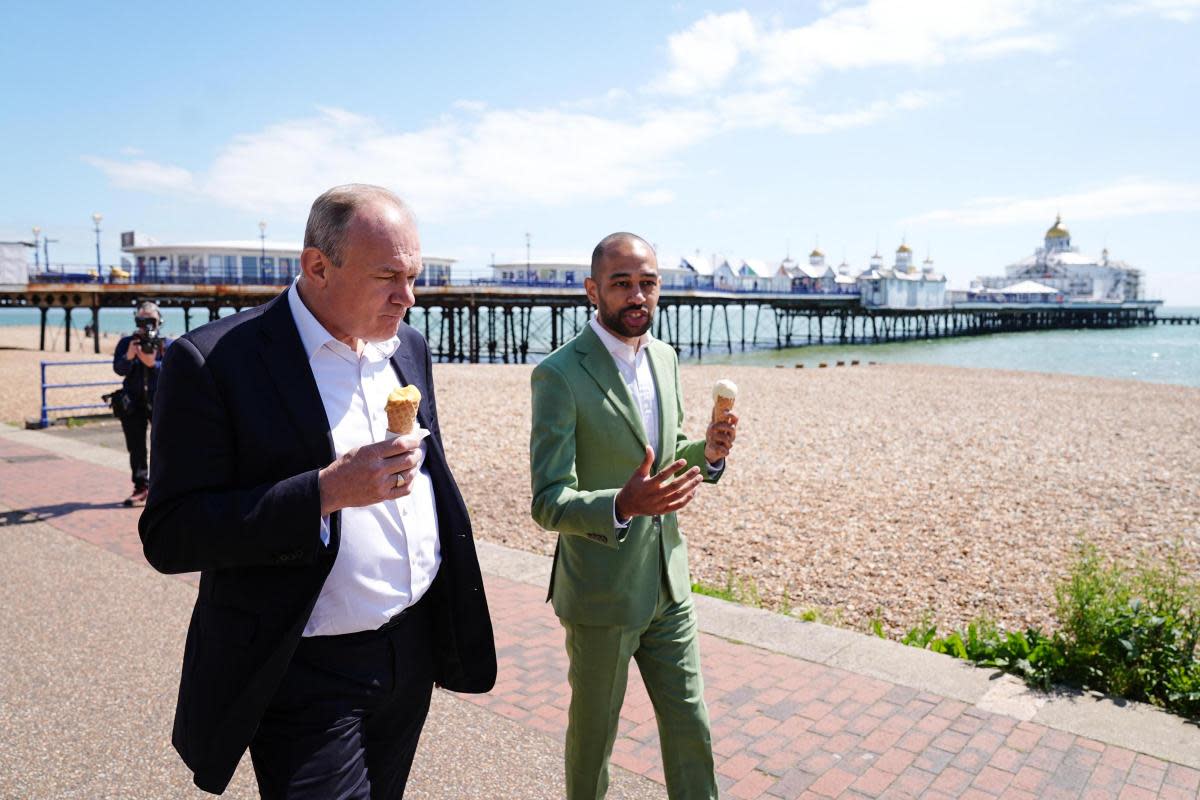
column 333, row 211
column 147, row 307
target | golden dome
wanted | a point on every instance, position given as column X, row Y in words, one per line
column 1057, row 231
column 903, row 248
column 816, row 254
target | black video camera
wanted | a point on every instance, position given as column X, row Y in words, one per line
column 146, row 335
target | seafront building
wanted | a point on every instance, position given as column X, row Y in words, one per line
column 1058, row 265
column 815, row 277
column 246, row 261
column 543, row 271
column 903, row 285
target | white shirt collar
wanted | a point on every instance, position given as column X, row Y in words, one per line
column 619, row 350
column 314, row 336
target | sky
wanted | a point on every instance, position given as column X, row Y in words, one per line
column 745, row 130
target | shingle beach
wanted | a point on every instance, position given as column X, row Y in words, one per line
column 902, row 491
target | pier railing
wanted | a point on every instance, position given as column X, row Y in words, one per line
column 44, row 420
column 172, row 278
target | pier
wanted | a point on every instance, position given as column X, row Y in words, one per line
column 506, row 323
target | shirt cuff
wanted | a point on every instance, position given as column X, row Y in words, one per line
column 715, row 469
column 325, row 531
column 617, row 523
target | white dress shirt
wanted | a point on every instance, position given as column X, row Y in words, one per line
column 639, row 378
column 390, row 551
column 635, row 370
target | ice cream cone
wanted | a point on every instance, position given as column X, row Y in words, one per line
column 724, row 395
column 402, row 405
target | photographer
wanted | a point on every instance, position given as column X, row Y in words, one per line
column 137, row 359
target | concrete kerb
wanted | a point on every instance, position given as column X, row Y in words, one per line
column 1135, row 726
column 67, row 448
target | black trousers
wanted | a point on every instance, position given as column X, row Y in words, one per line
column 346, row 719
column 134, row 425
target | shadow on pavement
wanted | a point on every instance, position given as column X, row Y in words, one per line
column 25, row 516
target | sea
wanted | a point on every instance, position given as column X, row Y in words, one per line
column 1157, row 353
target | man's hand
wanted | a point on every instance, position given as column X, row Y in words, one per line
column 646, row 495
column 368, row 474
column 718, row 440
column 146, row 358
column 133, row 349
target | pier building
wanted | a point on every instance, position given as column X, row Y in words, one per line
column 542, row 271
column 260, row 262
column 1060, row 265
column 903, row 285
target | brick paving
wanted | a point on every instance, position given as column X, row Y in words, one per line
column 782, row 727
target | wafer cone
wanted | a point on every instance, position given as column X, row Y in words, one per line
column 720, row 406
column 402, row 405
column 724, row 394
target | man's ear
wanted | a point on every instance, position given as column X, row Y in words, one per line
column 593, row 291
column 314, row 265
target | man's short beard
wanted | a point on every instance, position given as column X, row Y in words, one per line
column 615, row 324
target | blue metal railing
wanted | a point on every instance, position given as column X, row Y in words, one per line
column 44, row 421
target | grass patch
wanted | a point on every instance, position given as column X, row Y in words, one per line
column 1131, row 634
column 744, row 591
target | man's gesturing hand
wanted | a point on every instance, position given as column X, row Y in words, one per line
column 646, row 495
column 368, row 474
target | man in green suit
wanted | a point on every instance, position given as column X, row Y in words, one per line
column 611, row 466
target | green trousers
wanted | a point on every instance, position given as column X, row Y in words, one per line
column 668, row 657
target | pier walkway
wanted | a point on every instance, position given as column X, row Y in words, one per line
column 497, row 322
column 91, row 645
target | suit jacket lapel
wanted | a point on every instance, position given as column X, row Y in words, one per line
column 287, row 364
column 410, row 373
column 664, row 388
column 598, row 363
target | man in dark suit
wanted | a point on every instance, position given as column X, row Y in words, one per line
column 339, row 579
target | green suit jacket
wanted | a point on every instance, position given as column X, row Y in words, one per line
column 587, row 439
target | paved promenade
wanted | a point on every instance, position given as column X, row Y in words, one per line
column 91, row 643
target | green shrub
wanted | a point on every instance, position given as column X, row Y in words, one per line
column 1129, row 635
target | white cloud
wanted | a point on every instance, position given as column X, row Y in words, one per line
column 458, row 166
column 878, row 33
column 726, row 72
column 1175, row 10
column 1124, row 198
column 143, row 174
column 780, row 108
column 654, row 197
column 707, row 52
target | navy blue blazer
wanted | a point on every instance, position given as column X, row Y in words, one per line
column 239, row 434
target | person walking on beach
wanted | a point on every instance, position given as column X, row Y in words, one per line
column 610, row 467
column 338, row 574
column 138, row 359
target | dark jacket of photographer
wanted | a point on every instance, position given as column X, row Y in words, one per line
column 140, row 381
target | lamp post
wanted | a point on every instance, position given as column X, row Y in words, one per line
column 96, row 219
column 262, row 238
column 37, row 264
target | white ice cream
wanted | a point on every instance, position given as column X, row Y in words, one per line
column 725, row 388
